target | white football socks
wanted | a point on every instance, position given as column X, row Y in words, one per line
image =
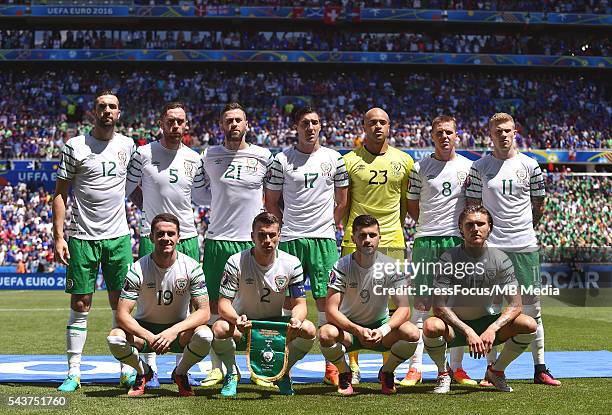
column 336, row 355
column 196, row 350
column 76, row 334
column 417, row 318
column 513, row 348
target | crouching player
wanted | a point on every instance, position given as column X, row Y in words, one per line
column 162, row 285
column 357, row 308
column 261, row 283
column 485, row 274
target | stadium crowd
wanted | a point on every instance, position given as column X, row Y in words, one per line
column 552, row 111
column 577, row 223
column 520, row 44
column 558, row 6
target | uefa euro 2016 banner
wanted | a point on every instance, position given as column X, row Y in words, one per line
column 281, row 56
column 328, row 14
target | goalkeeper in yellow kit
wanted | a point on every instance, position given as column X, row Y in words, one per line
column 378, row 179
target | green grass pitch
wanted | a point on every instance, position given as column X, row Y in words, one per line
column 34, row 323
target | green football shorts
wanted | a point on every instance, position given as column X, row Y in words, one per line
column 189, row 247
column 479, row 326
column 317, row 256
column 526, row 268
column 216, row 254
column 175, row 346
column 426, row 252
column 115, row 256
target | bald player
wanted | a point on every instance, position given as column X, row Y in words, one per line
column 378, row 179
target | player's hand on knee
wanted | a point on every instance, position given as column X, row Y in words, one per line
column 243, row 323
column 488, row 338
column 475, row 344
column 164, row 341
column 376, row 336
column 61, row 252
column 364, row 335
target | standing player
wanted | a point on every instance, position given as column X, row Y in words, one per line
column 378, row 179
column 310, row 178
column 357, row 308
column 163, row 322
column 95, row 165
column 258, row 284
column 436, row 198
column 167, row 171
column 473, row 320
column 510, row 185
column 236, row 172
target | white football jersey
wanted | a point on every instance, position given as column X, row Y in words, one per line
column 257, row 291
column 365, row 299
column 505, row 188
column 236, row 185
column 439, row 186
column 492, row 271
column 308, row 182
column 97, row 170
column 167, row 178
column 163, row 295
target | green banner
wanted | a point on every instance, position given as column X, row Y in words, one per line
column 267, row 350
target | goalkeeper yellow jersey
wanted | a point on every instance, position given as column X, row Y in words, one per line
column 377, row 186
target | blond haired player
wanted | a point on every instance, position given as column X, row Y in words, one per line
column 510, row 185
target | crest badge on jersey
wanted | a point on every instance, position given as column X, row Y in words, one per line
column 522, row 175
column 189, row 168
column 281, row 282
column 251, row 165
column 180, row 285
column 396, row 168
column 462, row 177
column 326, row 169
column 122, row 156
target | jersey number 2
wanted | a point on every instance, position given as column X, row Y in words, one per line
column 264, row 298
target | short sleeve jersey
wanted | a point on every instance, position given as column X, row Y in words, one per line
column 97, row 170
column 505, row 188
column 163, row 295
column 492, row 269
column 167, row 178
column 236, row 184
column 307, row 182
column 377, row 184
column 258, row 291
column 365, row 296
column 439, row 186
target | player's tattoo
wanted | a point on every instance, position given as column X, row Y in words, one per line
column 200, row 302
column 450, row 318
column 509, row 313
column 537, row 208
